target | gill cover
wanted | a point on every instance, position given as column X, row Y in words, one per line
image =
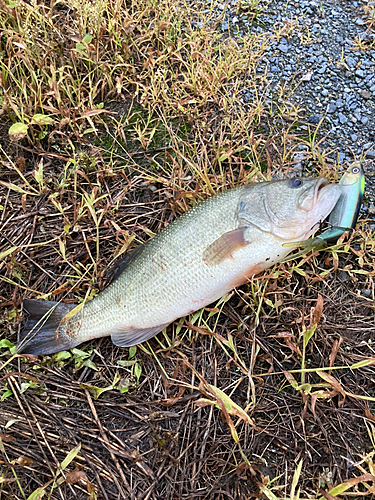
column 287, row 208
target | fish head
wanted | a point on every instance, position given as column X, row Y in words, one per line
column 290, row 209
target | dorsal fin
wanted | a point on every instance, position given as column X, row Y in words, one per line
column 118, row 267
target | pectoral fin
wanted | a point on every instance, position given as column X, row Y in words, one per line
column 225, row 246
column 124, row 336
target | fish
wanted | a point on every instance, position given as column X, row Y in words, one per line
column 219, row 244
column 344, row 216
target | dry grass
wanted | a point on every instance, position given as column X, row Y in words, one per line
column 122, row 115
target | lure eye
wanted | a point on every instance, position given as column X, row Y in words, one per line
column 355, row 170
column 295, row 183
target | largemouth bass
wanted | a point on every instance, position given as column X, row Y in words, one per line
column 217, row 245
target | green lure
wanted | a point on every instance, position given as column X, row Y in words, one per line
column 345, row 213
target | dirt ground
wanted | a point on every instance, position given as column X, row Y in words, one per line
column 155, row 441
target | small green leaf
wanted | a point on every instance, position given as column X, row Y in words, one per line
column 5, row 343
column 126, row 363
column 267, row 492
column 18, row 130
column 361, row 364
column 306, row 388
column 6, row 394
column 39, row 174
column 223, row 157
column 295, row 480
column 137, row 371
column 87, row 38
column 71, row 456
column 124, row 385
column 132, row 351
column 11, row 422
column 90, row 364
column 96, row 391
column 61, row 355
column 307, row 335
column 42, row 119
column 38, row 494
column 14, row 187
column 42, row 135
column 81, row 354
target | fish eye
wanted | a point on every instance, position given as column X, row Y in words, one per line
column 355, row 170
column 295, row 183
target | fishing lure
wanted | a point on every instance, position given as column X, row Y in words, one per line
column 345, row 213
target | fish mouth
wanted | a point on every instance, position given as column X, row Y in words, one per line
column 311, row 196
column 320, row 202
column 320, row 184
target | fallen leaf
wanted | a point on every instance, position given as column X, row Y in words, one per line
column 316, row 312
column 335, row 349
column 368, row 414
column 22, row 461
column 7, row 438
column 333, row 382
column 75, row 476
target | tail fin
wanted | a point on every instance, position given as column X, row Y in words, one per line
column 39, row 335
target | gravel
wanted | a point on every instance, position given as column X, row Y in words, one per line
column 313, row 50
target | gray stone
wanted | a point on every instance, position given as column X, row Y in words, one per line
column 364, row 120
column 283, row 47
column 351, row 62
column 360, row 21
column 354, row 137
column 342, row 118
column 331, row 108
column 365, row 94
column 315, row 119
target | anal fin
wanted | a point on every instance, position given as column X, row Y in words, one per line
column 128, row 336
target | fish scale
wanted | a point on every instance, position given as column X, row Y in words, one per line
column 217, row 245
